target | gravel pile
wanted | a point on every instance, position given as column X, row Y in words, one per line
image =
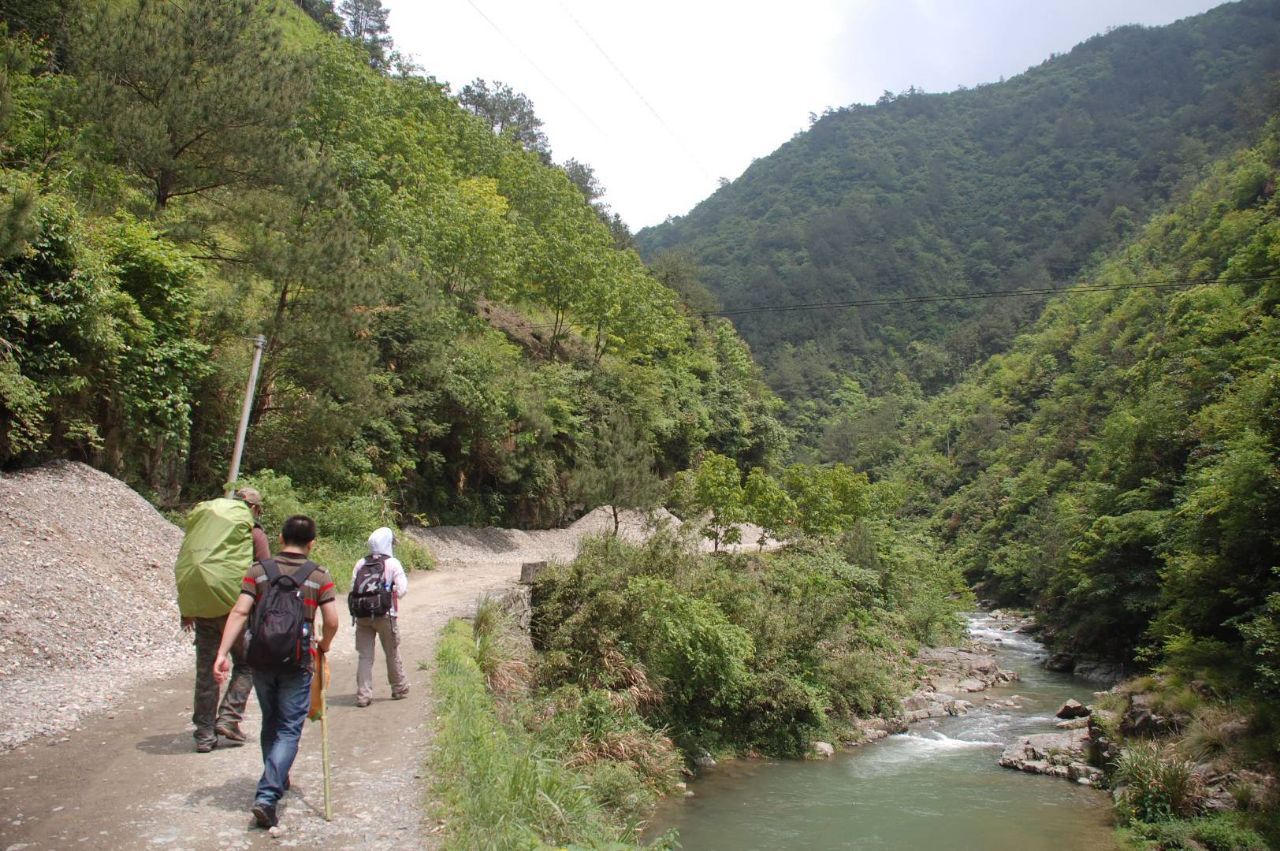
column 87, row 600
column 463, row 544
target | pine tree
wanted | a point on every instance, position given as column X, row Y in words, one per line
column 619, row 472
column 366, row 22
column 191, row 97
column 507, row 112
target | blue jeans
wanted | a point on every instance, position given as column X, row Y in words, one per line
column 285, row 697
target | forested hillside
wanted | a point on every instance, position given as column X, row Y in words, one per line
column 447, row 318
column 1119, row 467
column 1019, row 184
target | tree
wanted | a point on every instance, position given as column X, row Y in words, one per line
column 768, row 506
column 618, row 471
column 828, row 500
column 192, row 96
column 322, row 12
column 717, row 491
column 508, row 113
column 678, row 270
column 366, row 23
column 583, row 176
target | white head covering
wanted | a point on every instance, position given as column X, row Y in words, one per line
column 381, row 540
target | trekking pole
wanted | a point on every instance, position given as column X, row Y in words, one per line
column 324, row 739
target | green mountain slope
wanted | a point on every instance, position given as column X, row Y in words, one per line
column 1119, row 467
column 1010, row 185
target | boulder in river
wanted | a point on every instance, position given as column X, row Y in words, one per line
column 1073, row 709
column 1053, row 754
column 823, row 750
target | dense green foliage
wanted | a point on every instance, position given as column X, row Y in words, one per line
column 449, row 322
column 744, row 652
column 1010, row 185
column 1119, row 467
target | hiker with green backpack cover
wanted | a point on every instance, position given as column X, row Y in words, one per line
column 222, row 539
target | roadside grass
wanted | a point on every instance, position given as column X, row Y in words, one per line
column 498, row 786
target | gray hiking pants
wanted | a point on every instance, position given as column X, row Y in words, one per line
column 207, row 712
column 387, row 631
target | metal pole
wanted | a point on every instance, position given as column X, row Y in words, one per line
column 259, row 343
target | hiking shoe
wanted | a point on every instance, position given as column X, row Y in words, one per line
column 265, row 816
column 400, row 695
column 361, row 704
column 204, row 746
column 231, row 732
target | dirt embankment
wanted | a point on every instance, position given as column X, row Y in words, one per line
column 86, row 597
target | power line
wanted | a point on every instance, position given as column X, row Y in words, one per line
column 536, row 67
column 640, row 96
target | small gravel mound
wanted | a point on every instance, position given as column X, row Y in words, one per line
column 87, row 599
column 464, row 544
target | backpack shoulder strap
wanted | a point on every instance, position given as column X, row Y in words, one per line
column 272, row 569
column 306, row 569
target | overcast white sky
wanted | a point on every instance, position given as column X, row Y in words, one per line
column 663, row 98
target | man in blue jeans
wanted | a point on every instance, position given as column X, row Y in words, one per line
column 285, row 695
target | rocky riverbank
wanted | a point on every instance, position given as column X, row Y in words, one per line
column 949, row 673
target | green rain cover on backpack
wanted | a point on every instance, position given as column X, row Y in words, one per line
column 214, row 557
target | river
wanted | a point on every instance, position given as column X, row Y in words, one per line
column 935, row 787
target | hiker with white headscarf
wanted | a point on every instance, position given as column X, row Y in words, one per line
column 378, row 585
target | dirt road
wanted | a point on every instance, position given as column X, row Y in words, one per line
column 131, row 779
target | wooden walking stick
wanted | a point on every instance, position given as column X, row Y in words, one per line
column 324, row 739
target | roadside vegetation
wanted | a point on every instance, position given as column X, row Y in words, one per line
column 644, row 659
column 343, row 521
column 501, row 784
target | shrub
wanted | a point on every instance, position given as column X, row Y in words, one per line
column 1157, row 786
column 859, row 683
column 1221, row 832
column 778, row 713
column 595, row 728
column 1211, row 734
column 734, row 652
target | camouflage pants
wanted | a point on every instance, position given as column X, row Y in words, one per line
column 207, row 712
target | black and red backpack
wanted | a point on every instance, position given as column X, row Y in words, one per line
column 279, row 625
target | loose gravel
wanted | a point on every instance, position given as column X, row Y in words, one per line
column 87, row 599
